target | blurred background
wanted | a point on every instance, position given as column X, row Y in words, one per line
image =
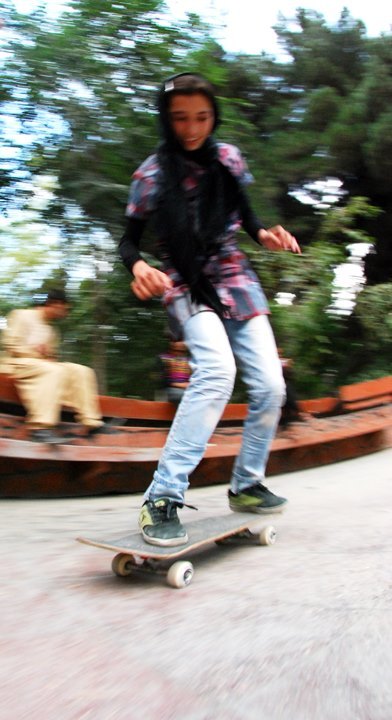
column 314, row 120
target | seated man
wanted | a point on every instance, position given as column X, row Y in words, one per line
column 44, row 383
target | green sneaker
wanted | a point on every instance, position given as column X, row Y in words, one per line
column 256, row 499
column 159, row 523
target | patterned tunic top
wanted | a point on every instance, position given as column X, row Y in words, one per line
column 228, row 269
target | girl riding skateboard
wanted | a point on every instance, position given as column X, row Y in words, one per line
column 193, row 188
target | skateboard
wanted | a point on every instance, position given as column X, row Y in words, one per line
column 134, row 554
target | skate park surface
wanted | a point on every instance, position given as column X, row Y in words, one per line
column 300, row 630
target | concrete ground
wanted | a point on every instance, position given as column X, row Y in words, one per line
column 301, row 630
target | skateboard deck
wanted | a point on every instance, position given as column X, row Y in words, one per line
column 135, row 554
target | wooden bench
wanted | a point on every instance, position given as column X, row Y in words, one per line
column 320, row 406
column 358, row 396
column 140, row 412
column 368, row 394
column 8, row 392
column 147, row 412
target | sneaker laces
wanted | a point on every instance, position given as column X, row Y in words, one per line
column 169, row 510
column 255, row 489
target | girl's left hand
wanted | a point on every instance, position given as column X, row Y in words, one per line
column 277, row 238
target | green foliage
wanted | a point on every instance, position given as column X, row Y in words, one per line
column 378, row 152
column 341, row 223
column 314, row 339
column 117, row 335
column 322, row 55
column 322, row 107
column 373, row 316
column 306, row 331
column 327, row 349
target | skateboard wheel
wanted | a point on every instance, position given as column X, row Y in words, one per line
column 122, row 564
column 267, row 535
column 179, row 574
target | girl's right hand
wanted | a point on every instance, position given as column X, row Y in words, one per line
column 148, row 281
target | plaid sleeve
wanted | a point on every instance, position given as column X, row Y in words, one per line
column 230, row 156
column 143, row 191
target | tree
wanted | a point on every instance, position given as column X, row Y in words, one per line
column 339, row 122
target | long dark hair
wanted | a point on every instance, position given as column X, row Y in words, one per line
column 191, row 240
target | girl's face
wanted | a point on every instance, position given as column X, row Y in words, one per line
column 192, row 119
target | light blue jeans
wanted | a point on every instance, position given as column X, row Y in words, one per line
column 213, row 344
